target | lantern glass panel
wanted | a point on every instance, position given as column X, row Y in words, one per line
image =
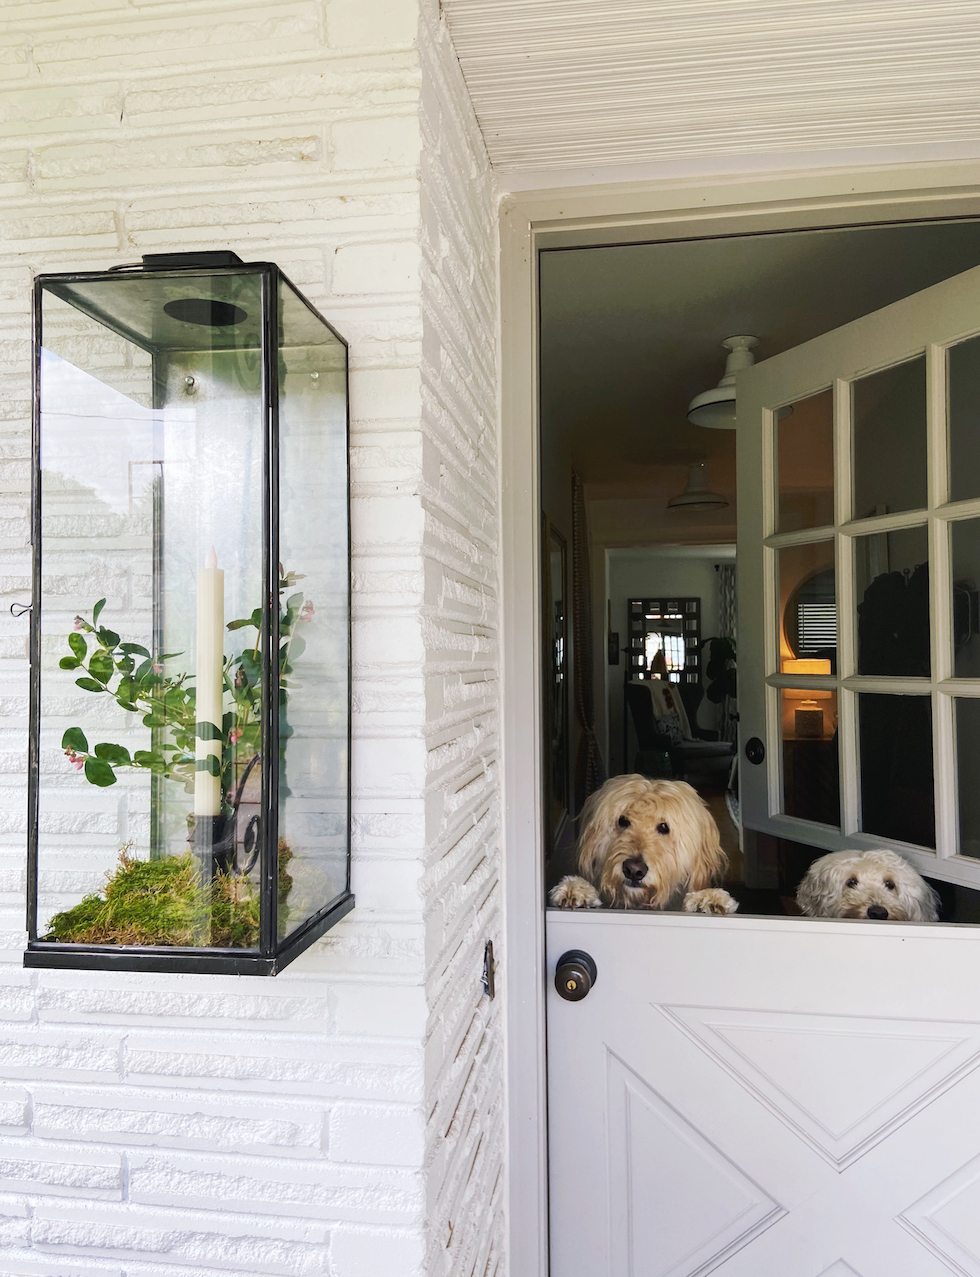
column 314, row 610
column 151, row 522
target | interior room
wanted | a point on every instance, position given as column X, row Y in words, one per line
column 639, row 518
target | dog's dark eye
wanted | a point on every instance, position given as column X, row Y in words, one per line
column 663, row 828
column 624, row 822
column 889, row 884
column 851, row 882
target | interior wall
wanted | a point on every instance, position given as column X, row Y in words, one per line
column 653, row 571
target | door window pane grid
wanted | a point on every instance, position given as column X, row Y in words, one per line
column 901, row 534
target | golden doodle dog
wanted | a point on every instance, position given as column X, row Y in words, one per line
column 866, row 884
column 646, row 844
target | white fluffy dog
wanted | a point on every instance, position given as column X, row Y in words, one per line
column 866, row 884
column 646, row 844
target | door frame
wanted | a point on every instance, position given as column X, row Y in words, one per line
column 811, row 197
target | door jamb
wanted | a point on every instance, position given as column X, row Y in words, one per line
column 620, row 213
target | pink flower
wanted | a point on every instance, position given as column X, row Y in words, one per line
column 76, row 760
column 80, row 624
column 157, row 667
column 306, row 612
column 235, row 735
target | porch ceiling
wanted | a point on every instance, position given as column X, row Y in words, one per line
column 576, row 83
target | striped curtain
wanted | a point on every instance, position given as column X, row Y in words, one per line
column 590, row 770
column 728, row 610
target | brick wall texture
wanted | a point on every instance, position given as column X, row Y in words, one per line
column 344, row 1118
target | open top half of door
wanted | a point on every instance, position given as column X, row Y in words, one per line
column 859, row 567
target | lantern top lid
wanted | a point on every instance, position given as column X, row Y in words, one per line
column 195, row 301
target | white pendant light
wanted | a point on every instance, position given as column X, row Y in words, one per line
column 697, row 496
column 716, row 408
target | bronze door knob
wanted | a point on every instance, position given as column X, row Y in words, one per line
column 575, row 975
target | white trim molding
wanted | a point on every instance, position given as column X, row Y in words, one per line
column 670, row 208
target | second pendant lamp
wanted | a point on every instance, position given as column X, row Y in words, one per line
column 697, row 495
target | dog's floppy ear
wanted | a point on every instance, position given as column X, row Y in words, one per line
column 820, row 887
column 917, row 898
column 596, row 834
column 710, row 862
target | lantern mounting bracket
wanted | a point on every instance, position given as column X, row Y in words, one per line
column 211, row 257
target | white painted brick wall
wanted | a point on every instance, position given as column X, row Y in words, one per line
column 463, row 1052
column 344, row 1119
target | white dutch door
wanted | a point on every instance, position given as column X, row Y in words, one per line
column 789, row 1097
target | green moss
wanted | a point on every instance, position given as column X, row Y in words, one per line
column 164, row 902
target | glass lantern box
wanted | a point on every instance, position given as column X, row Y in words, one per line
column 190, row 637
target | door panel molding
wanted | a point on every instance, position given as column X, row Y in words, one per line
column 727, row 1208
column 895, row 1069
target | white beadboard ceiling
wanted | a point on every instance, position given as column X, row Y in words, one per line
column 580, row 83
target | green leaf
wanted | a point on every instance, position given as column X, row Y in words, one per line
column 89, row 684
column 149, row 758
column 297, row 647
column 209, row 764
column 237, row 625
column 108, row 638
column 96, row 611
column 74, row 739
column 101, row 666
column 208, row 731
column 252, row 667
column 98, row 772
column 69, row 663
column 130, row 648
column 118, row 755
column 154, row 720
column 294, row 602
column 78, row 645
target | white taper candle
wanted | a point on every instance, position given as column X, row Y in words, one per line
column 210, row 657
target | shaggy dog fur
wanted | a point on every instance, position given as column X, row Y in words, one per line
column 646, row 844
column 866, row 884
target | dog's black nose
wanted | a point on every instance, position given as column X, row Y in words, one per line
column 877, row 911
column 634, row 869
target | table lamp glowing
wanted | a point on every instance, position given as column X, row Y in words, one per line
column 808, row 718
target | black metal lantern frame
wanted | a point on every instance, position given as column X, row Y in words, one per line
column 187, row 402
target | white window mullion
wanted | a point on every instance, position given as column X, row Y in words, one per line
column 847, row 719
column 774, row 750
column 944, row 764
column 941, row 606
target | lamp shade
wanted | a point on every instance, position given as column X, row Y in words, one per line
column 810, row 666
column 697, row 496
column 715, row 408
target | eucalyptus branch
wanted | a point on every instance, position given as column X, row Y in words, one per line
column 137, row 681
